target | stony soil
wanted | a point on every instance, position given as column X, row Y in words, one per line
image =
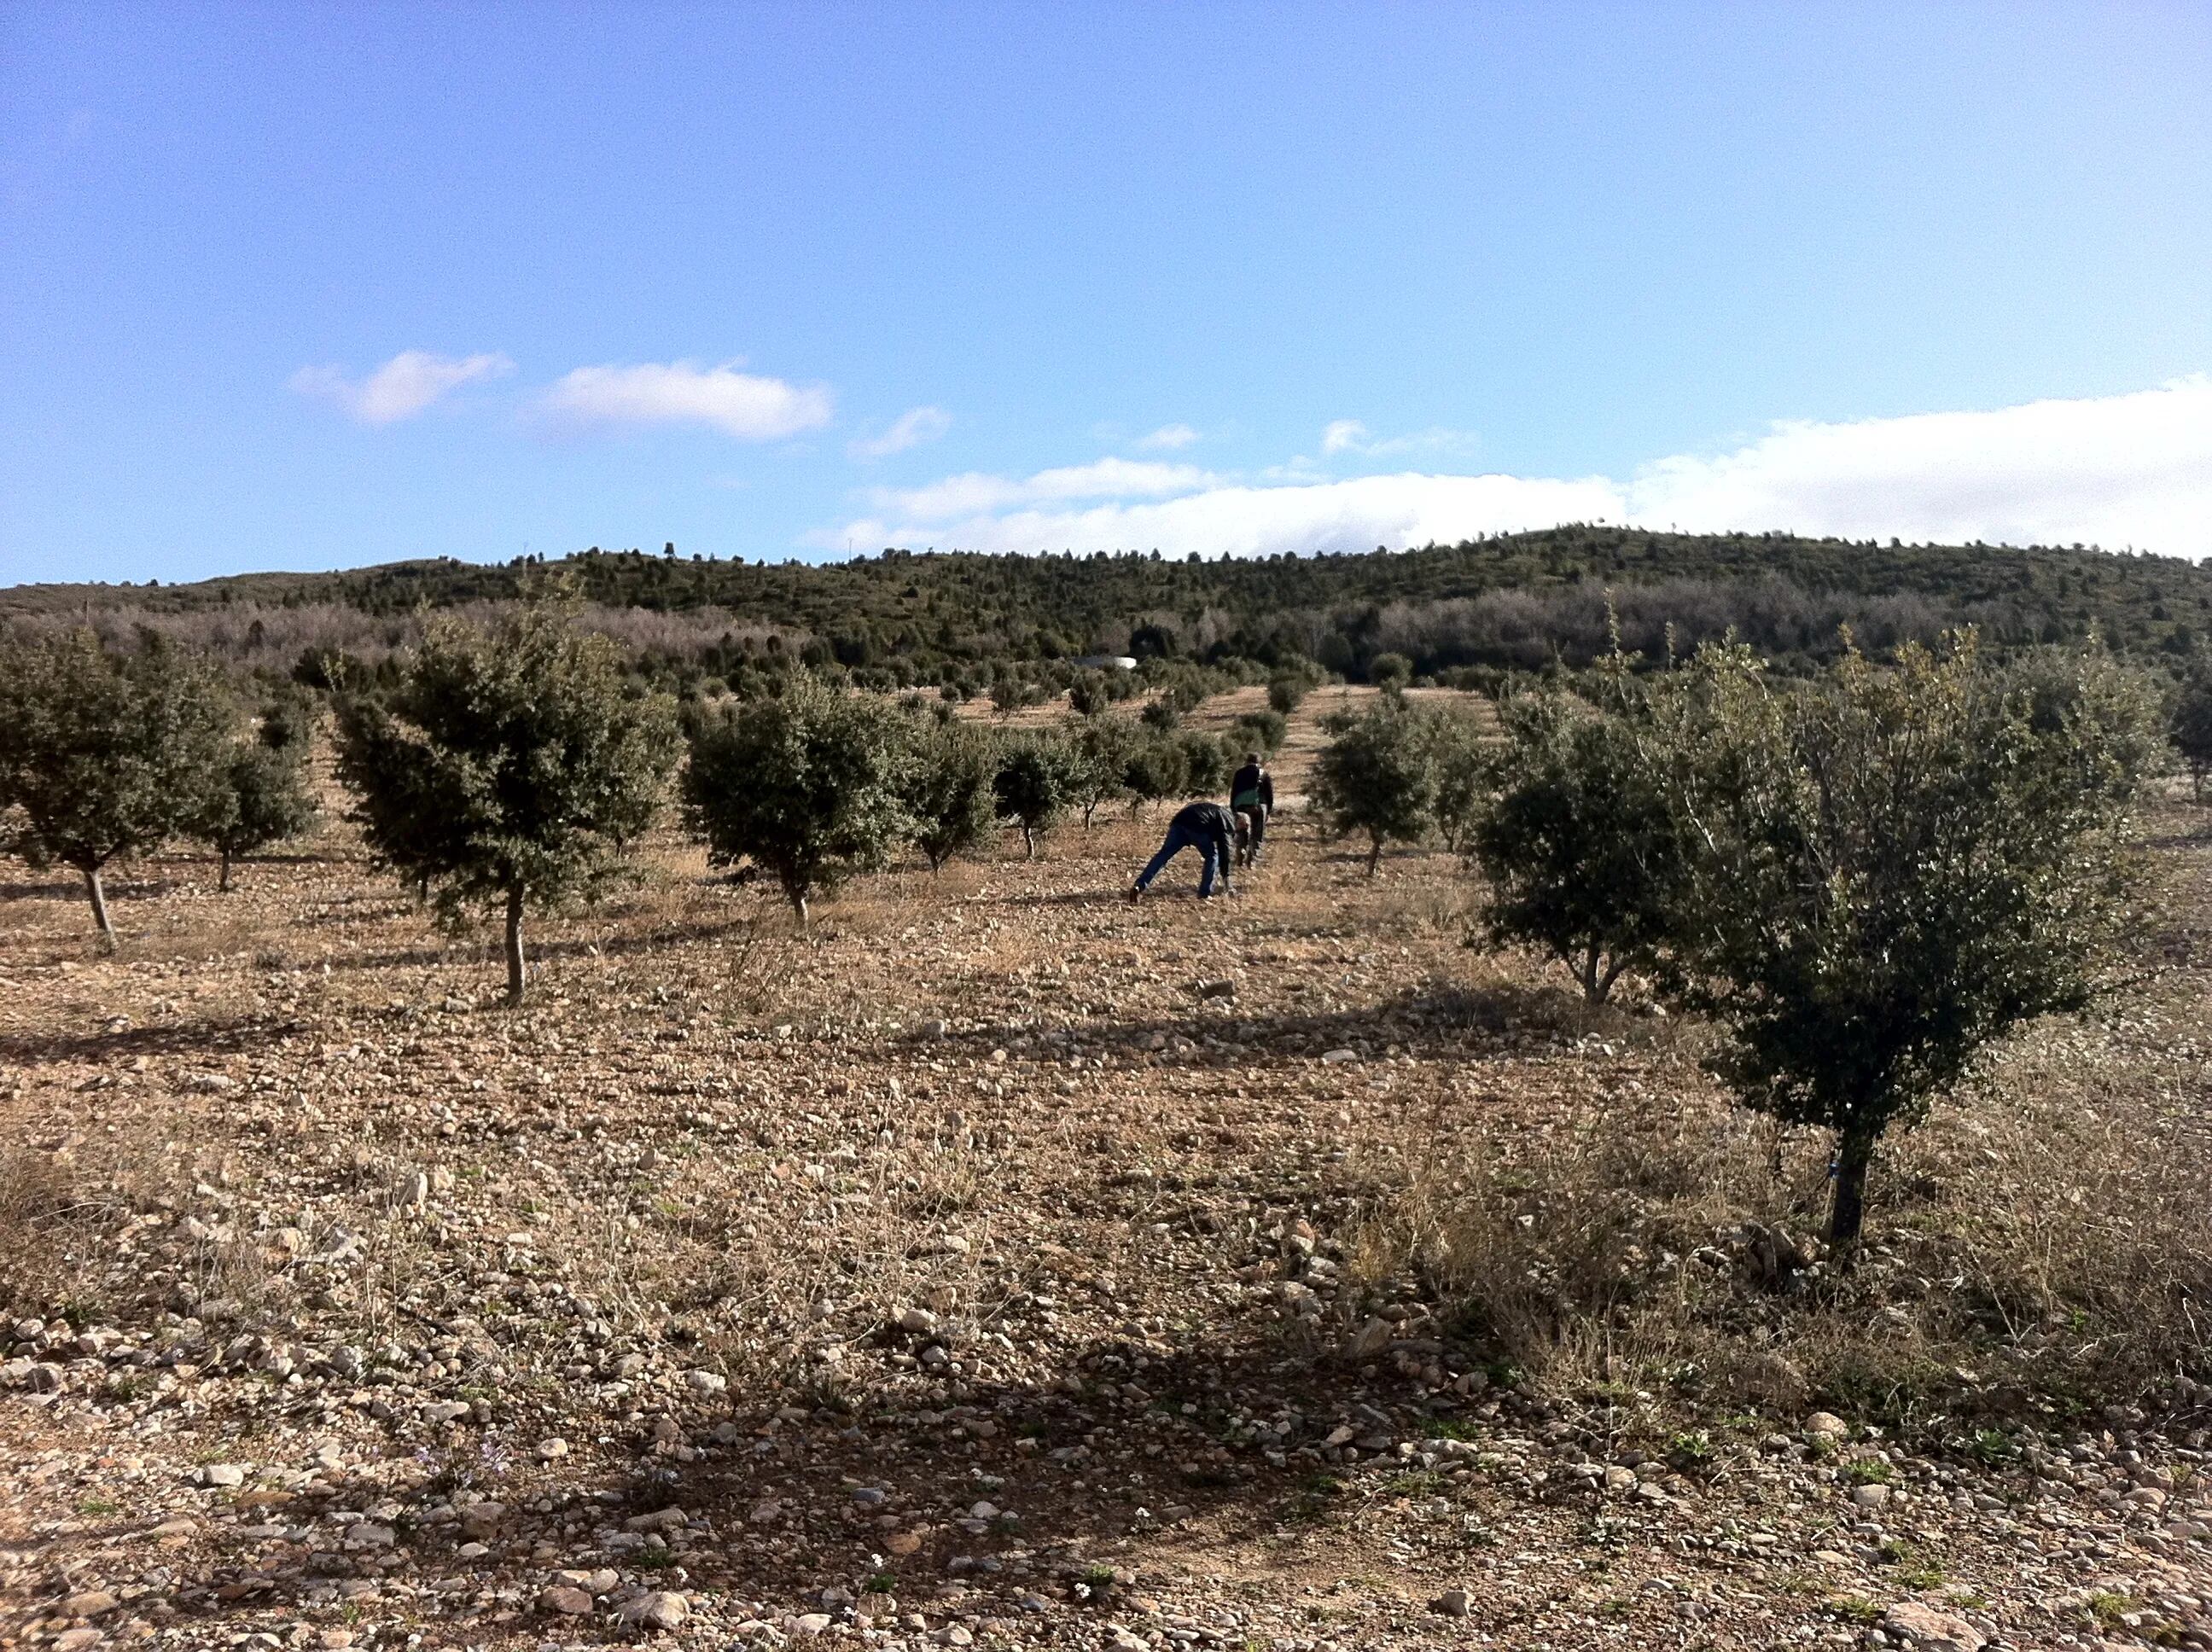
column 978, row 1269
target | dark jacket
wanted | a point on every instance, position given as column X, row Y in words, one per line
column 1250, row 780
column 1210, row 824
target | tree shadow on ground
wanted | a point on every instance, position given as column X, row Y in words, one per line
column 485, row 950
column 193, row 1038
column 1212, row 1031
column 990, row 1492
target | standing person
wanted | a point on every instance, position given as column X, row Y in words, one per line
column 1209, row 828
column 1252, row 795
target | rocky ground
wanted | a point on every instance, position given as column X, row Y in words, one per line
column 985, row 1268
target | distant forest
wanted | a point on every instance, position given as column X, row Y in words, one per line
column 1469, row 613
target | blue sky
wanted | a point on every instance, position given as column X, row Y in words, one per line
column 313, row 286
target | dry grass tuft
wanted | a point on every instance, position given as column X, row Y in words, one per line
column 2031, row 1248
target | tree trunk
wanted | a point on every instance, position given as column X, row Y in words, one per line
column 222, row 883
column 1592, row 992
column 798, row 906
column 1854, row 1154
column 514, row 961
column 1375, row 857
column 99, row 897
column 1028, row 842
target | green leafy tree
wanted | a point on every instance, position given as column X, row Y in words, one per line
column 1466, row 776
column 1261, row 729
column 1377, row 776
column 261, row 793
column 1161, row 716
column 2190, row 725
column 1390, row 673
column 1888, row 869
column 1009, row 693
column 104, row 754
column 810, row 787
column 1286, row 692
column 1088, row 695
column 1580, row 845
column 948, row 791
column 1206, row 761
column 1103, row 747
column 1157, row 768
column 505, row 767
column 1040, row 778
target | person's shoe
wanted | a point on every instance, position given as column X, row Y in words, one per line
column 1136, row 893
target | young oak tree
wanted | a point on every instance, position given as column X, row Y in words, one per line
column 1039, row 779
column 505, row 766
column 1579, row 846
column 1888, row 868
column 102, row 754
column 1377, row 776
column 811, row 787
column 1464, row 775
column 1155, row 769
column 2190, row 726
column 948, row 789
column 1102, row 745
column 260, row 793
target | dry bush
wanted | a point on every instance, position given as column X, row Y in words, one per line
column 2035, row 1246
column 73, row 1201
column 907, row 1224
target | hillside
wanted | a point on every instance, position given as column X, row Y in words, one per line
column 1508, row 601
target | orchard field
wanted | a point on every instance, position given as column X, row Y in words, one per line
column 1002, row 1264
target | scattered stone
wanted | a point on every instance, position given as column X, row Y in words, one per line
column 565, row 1600
column 1923, row 1628
column 1373, row 1337
column 1452, row 1603
column 662, row 1611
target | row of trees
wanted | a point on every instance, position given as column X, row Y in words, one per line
column 1863, row 879
column 104, row 755
column 511, row 768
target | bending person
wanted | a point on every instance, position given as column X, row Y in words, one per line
column 1209, row 828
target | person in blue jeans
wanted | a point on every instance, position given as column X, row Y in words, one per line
column 1209, row 828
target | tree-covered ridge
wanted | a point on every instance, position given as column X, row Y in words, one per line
column 1508, row 601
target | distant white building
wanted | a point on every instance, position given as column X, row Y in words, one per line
column 1108, row 663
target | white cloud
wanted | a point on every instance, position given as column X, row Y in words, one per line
column 1350, row 436
column 911, row 429
column 969, row 495
column 741, row 406
column 1168, row 439
column 1253, row 522
column 2129, row 470
column 401, row 388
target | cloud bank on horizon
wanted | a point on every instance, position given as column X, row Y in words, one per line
column 2132, row 470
